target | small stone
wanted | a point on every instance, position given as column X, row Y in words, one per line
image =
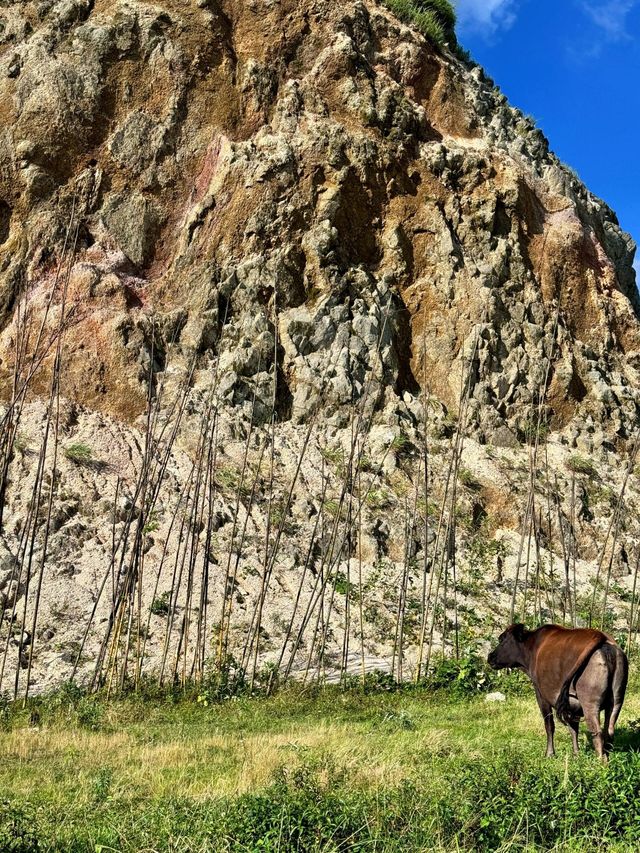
column 495, row 697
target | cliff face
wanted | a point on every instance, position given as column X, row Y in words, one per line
column 212, row 194
column 316, row 167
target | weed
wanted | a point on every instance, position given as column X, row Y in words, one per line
column 229, row 479
column 101, row 787
column 79, row 453
column 483, row 553
column 581, row 465
column 378, row 499
column 469, row 480
column 333, row 508
column 152, row 523
column 160, row 604
column 334, row 456
column 535, row 429
column 21, row 443
column 18, row 832
column 401, row 444
column 222, row 681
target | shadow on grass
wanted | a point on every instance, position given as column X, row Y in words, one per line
column 627, row 738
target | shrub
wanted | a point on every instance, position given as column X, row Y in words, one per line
column 465, row 676
column 222, row 682
column 471, row 674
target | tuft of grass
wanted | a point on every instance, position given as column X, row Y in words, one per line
column 378, row 499
column 333, row 455
column 469, row 480
column 79, row 453
column 21, row 443
column 581, row 465
column 332, row 508
column 435, row 19
column 229, row 479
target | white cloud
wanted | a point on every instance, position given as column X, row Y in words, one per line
column 485, row 16
column 610, row 16
column 610, row 20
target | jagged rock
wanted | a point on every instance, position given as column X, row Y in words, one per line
column 373, row 220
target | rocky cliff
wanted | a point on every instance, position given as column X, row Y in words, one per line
column 261, row 262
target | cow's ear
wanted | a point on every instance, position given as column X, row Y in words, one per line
column 519, row 632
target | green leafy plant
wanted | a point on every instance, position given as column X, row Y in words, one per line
column 18, row 829
column 222, row 681
column 79, row 453
column 160, row 604
column 152, row 523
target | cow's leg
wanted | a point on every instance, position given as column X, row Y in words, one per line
column 547, row 715
column 613, row 719
column 592, row 719
column 574, row 726
column 618, row 688
column 606, row 727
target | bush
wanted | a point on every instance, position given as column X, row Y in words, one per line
column 465, row 676
column 471, row 674
column 435, row 19
column 222, row 682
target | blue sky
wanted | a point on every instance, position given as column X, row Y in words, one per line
column 574, row 65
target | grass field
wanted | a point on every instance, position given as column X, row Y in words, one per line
column 376, row 771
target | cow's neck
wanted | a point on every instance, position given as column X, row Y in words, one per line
column 529, row 650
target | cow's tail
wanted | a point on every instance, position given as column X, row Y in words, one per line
column 563, row 704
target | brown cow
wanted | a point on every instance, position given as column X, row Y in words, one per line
column 577, row 671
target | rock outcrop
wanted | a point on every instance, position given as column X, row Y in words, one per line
column 314, row 167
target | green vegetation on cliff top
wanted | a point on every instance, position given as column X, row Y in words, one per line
column 436, row 19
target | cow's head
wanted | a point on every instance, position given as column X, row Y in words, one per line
column 509, row 651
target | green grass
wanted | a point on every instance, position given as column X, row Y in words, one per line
column 435, row 19
column 581, row 465
column 379, row 770
column 79, row 453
